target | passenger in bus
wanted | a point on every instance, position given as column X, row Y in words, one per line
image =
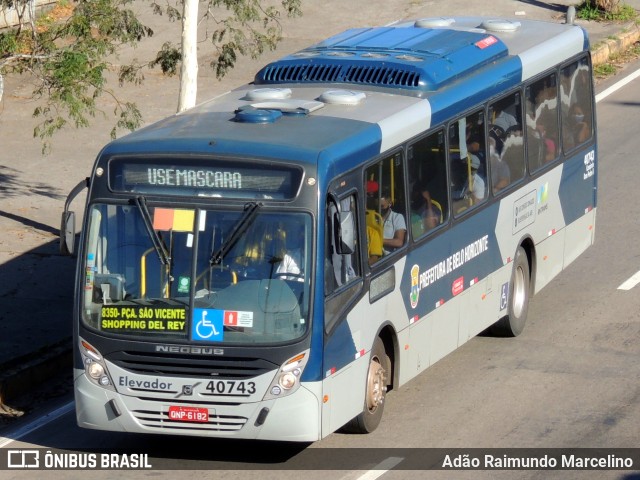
column 374, row 222
column 374, row 245
column 476, row 185
column 578, row 124
column 394, row 225
column 475, row 139
column 505, row 121
column 542, row 117
column 371, row 187
column 500, row 173
column 425, row 212
column 291, row 264
column 548, row 143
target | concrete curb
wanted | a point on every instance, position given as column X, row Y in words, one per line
column 612, row 46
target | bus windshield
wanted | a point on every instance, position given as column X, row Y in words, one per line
column 229, row 276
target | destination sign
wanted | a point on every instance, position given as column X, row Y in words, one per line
column 132, row 318
column 204, row 178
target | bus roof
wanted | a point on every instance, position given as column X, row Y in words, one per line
column 364, row 91
column 427, row 55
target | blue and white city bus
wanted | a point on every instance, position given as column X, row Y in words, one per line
column 268, row 264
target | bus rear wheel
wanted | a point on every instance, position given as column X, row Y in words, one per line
column 513, row 323
column 375, row 393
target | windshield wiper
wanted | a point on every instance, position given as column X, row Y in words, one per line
column 161, row 250
column 250, row 210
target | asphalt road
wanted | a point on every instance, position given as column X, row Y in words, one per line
column 569, row 381
column 36, row 283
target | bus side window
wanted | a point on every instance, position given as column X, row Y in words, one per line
column 468, row 162
column 506, row 143
column 428, row 184
column 542, row 122
column 340, row 269
column 576, row 107
column 385, row 208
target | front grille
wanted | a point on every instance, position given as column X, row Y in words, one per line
column 191, row 365
column 216, row 423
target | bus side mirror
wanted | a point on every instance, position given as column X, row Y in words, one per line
column 68, row 222
column 345, row 228
column 67, row 233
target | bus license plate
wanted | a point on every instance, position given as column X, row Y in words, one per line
column 188, row 414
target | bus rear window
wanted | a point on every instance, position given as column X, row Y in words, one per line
column 203, row 177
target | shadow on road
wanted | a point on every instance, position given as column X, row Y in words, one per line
column 36, row 296
column 554, row 7
column 11, row 186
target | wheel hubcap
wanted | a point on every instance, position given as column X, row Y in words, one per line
column 376, row 387
column 519, row 293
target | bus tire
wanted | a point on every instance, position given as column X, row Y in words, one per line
column 376, row 389
column 513, row 323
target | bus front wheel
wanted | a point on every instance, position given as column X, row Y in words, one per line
column 512, row 325
column 375, row 393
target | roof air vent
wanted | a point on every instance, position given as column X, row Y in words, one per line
column 500, row 25
column 305, row 54
column 410, row 58
column 264, row 94
column 342, row 97
column 374, row 55
column 440, row 22
column 340, row 54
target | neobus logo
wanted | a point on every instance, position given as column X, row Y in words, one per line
column 189, row 350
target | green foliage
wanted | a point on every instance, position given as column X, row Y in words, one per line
column 68, row 55
column 67, row 52
column 604, row 70
column 168, row 58
column 129, row 118
column 605, row 10
column 242, row 28
column 616, row 62
column 251, row 29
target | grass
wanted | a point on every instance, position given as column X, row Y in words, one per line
column 588, row 10
column 616, row 62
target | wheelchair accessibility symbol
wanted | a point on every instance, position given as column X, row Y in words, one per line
column 207, row 324
column 504, row 296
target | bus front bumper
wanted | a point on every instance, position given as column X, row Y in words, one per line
column 295, row 417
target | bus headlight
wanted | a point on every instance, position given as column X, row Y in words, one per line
column 94, row 366
column 95, row 370
column 287, row 380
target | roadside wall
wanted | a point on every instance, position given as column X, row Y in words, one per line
column 10, row 17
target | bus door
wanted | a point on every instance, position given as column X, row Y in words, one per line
column 343, row 289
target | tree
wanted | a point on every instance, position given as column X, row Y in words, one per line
column 65, row 53
column 245, row 27
column 610, row 6
column 68, row 51
column 189, row 67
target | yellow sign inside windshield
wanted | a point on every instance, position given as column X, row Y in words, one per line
column 143, row 319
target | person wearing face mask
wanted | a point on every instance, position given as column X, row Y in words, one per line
column 395, row 227
column 580, row 128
